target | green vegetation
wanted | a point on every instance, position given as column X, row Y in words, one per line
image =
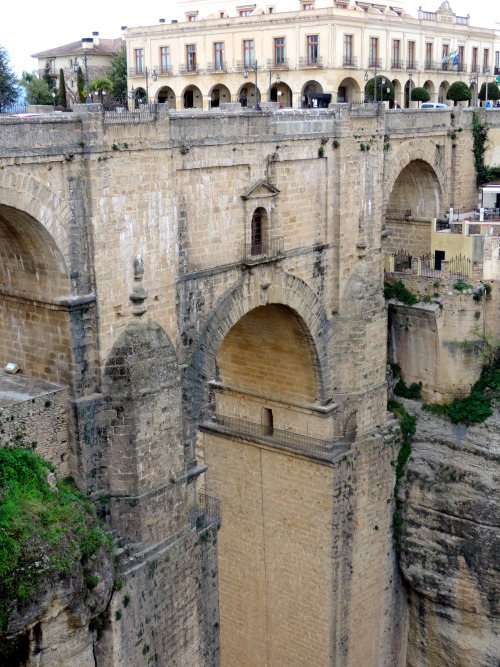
column 414, row 391
column 493, row 92
column 408, row 424
column 399, row 292
column 46, row 530
column 459, row 92
column 9, row 87
column 420, row 95
column 118, row 75
column 484, row 174
column 62, row 90
column 476, row 407
column 384, row 92
column 460, row 286
column 37, row 90
column 81, row 86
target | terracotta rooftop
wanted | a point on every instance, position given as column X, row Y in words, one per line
column 105, row 46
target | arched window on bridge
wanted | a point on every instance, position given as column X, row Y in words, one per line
column 259, row 223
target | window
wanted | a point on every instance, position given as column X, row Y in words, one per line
column 165, row 65
column 258, row 220
column 373, row 56
column 222, row 15
column 444, row 58
column 267, row 421
column 307, row 6
column 279, row 50
column 53, row 66
column 396, row 53
column 461, row 53
column 191, row 57
column 248, row 52
column 348, row 40
column 411, row 55
column 497, row 62
column 219, row 56
column 139, row 61
column 474, row 59
column 486, row 59
column 246, row 12
column 312, row 49
column 428, row 55
column 191, row 16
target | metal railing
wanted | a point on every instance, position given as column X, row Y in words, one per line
column 305, row 62
column 350, row 61
column 281, row 65
column 257, row 252
column 460, row 267
column 397, row 64
column 207, row 513
column 216, row 69
column 190, row 69
column 412, row 65
column 12, row 110
column 304, row 444
column 428, row 266
column 145, row 113
column 402, row 262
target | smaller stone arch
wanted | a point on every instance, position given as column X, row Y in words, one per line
column 192, row 98
column 281, row 93
column 443, row 89
column 166, row 96
column 308, row 89
column 398, row 94
column 430, row 88
column 140, row 97
column 246, row 95
column 219, row 94
column 349, row 91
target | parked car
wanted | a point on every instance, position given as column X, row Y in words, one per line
column 434, row 105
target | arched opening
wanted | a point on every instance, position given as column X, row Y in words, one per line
column 140, row 97
column 33, row 282
column 192, row 98
column 443, row 89
column 398, row 101
column 429, row 87
column 219, row 94
column 268, row 373
column 259, row 228
column 414, row 202
column 309, row 88
column 246, row 95
column 348, row 91
column 281, row 93
column 409, row 86
column 167, row 96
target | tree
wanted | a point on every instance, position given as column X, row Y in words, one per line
column 493, row 92
column 420, row 95
column 80, row 85
column 459, row 92
column 37, row 90
column 50, row 80
column 118, row 74
column 9, row 85
column 62, row 89
column 101, row 85
column 382, row 94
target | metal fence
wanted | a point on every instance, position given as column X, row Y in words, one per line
column 402, row 262
column 145, row 113
column 460, row 267
column 428, row 266
column 305, row 444
column 254, row 252
column 13, row 109
column 207, row 514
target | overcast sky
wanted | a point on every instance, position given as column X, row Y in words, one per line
column 30, row 26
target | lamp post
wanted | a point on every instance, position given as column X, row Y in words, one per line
column 374, row 83
column 245, row 74
column 277, row 81
column 54, row 100
column 154, row 76
column 473, row 79
column 486, row 71
column 75, row 65
column 410, row 76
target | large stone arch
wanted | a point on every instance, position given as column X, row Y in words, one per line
column 415, row 150
column 28, row 195
column 256, row 289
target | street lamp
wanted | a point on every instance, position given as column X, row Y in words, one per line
column 75, row 65
column 410, row 76
column 486, row 71
column 154, row 76
column 277, row 81
column 245, row 74
column 473, row 79
column 54, row 100
column 374, row 83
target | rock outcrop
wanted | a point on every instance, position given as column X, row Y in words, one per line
column 450, row 542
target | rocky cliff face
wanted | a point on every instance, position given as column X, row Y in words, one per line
column 450, row 542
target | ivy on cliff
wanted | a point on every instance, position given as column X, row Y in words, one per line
column 484, row 174
column 47, row 528
column 408, row 424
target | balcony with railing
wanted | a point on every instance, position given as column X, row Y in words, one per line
column 268, row 435
column 281, row 64
column 412, row 65
column 399, row 63
column 135, row 72
column 189, row 69
column 263, row 251
column 306, row 63
column 166, row 70
column 207, row 513
column 212, row 68
column 349, row 61
column 241, row 66
column 374, row 63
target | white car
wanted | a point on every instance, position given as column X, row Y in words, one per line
column 434, row 105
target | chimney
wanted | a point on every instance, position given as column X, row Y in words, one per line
column 87, row 43
column 95, row 35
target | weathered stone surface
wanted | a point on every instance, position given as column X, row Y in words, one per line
column 450, row 545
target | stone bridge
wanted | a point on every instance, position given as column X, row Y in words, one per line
column 249, row 339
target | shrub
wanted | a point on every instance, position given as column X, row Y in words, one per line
column 414, row 391
column 399, row 292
